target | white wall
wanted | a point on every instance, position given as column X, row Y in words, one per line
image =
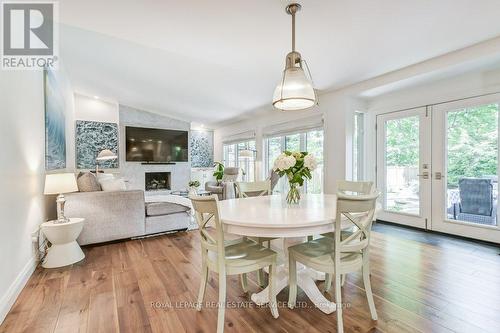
column 94, row 109
column 22, row 174
column 23, row 206
column 460, row 86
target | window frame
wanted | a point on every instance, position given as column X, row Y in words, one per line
column 358, row 146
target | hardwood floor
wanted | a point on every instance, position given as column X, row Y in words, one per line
column 421, row 282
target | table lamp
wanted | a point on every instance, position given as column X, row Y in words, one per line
column 60, row 183
column 104, row 155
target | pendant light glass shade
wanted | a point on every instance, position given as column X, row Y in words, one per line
column 295, row 91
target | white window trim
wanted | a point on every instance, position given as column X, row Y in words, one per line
column 360, row 163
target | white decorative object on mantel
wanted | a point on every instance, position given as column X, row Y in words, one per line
column 64, row 250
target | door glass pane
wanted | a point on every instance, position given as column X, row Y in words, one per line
column 472, row 160
column 314, row 146
column 292, row 142
column 402, row 165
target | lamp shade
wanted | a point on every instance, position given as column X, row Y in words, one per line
column 245, row 153
column 106, row 154
column 295, row 91
column 60, row 183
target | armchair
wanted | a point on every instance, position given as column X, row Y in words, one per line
column 225, row 189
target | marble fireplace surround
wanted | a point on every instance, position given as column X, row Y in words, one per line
column 134, row 172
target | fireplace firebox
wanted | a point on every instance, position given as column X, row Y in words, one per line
column 157, row 181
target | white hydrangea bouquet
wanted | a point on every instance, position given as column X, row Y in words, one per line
column 297, row 166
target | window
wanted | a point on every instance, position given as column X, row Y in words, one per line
column 314, row 145
column 230, row 155
column 273, row 149
column 310, row 141
column 292, row 142
column 358, row 148
column 232, row 158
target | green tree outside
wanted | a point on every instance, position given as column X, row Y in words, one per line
column 472, row 143
column 402, row 142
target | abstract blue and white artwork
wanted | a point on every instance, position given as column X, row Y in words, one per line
column 55, row 122
column 91, row 138
column 202, row 149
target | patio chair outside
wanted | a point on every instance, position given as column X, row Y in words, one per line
column 476, row 201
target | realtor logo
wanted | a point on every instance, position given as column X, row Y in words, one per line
column 29, row 35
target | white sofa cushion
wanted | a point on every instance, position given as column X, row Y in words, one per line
column 113, row 184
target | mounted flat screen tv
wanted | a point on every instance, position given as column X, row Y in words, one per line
column 154, row 145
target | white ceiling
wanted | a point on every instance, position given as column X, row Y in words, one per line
column 210, row 61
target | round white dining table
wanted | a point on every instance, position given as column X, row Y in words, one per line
column 271, row 216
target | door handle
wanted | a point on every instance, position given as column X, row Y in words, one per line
column 424, row 175
column 438, row 176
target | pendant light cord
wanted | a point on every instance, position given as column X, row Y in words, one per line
column 293, row 31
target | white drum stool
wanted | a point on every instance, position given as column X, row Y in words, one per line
column 64, row 250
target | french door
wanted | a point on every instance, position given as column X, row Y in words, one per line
column 465, row 167
column 403, row 166
column 438, row 167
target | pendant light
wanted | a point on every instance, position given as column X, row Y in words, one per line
column 295, row 91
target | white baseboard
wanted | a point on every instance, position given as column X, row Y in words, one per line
column 9, row 298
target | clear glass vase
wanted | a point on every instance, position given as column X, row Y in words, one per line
column 293, row 196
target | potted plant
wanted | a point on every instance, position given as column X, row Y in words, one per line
column 218, row 171
column 297, row 166
column 193, row 187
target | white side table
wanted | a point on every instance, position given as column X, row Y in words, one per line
column 64, row 250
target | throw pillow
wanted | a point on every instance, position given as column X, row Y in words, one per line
column 87, row 182
column 113, row 184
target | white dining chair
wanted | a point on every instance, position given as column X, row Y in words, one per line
column 351, row 188
column 356, row 187
column 255, row 189
column 339, row 255
column 234, row 258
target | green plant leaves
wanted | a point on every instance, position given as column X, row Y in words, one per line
column 219, row 171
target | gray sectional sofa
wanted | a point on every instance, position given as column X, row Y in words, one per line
column 123, row 214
